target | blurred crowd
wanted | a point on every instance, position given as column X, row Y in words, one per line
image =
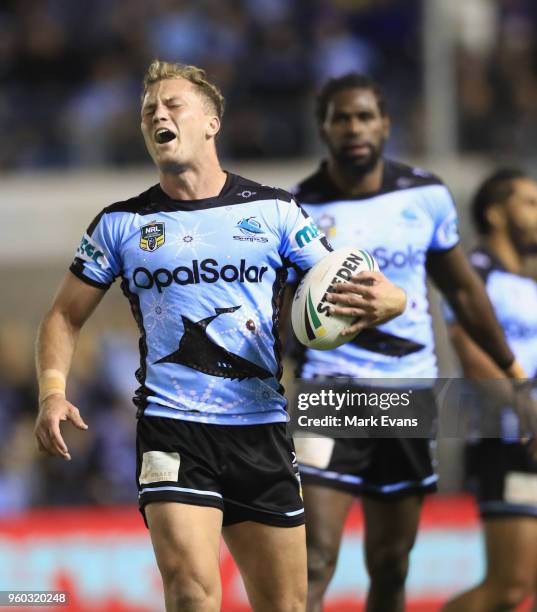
column 70, row 72
column 497, row 71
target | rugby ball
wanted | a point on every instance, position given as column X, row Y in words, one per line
column 312, row 322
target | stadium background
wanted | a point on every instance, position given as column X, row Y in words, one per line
column 461, row 83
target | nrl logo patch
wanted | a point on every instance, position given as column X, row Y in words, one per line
column 152, row 236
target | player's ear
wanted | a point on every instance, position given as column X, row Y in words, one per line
column 213, row 126
column 495, row 216
column 386, row 126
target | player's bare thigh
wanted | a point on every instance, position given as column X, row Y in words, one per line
column 272, row 562
column 186, row 540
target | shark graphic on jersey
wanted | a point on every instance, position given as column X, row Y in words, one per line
column 180, row 261
column 196, row 350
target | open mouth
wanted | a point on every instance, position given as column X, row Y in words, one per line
column 164, row 135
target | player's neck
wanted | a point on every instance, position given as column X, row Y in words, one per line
column 195, row 182
column 353, row 183
column 503, row 249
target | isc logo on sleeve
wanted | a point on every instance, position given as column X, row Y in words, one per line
column 92, row 252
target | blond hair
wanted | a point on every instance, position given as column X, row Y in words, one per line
column 159, row 70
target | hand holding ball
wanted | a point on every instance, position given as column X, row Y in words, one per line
column 313, row 324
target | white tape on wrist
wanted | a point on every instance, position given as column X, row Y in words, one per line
column 51, row 382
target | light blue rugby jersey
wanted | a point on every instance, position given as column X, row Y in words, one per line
column 514, row 298
column 411, row 214
column 204, row 279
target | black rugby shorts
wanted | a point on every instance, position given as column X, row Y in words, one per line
column 247, row 471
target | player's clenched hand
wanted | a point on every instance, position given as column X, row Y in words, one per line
column 370, row 298
column 47, row 426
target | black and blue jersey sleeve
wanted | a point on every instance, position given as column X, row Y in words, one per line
column 302, row 243
column 444, row 214
column 97, row 260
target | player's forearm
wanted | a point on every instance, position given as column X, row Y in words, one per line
column 476, row 315
column 56, row 341
column 482, row 371
column 476, row 364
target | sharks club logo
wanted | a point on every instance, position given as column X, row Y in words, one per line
column 250, row 230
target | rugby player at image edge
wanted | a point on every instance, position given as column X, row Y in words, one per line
column 202, row 256
column 406, row 218
column 504, row 471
